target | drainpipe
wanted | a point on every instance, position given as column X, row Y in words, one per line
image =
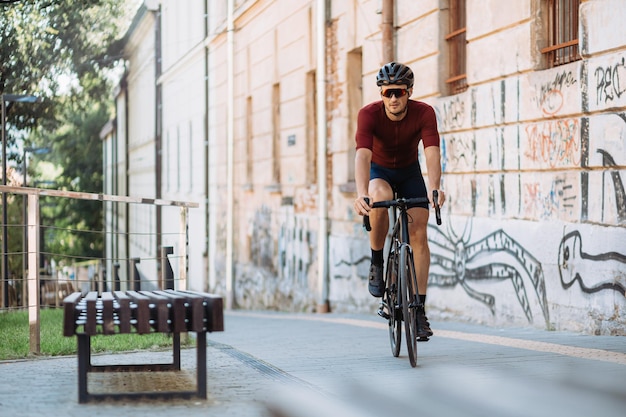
column 158, row 129
column 388, row 31
column 207, row 244
column 322, row 240
column 126, row 184
column 230, row 282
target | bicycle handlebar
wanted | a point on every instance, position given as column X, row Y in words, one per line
column 407, row 202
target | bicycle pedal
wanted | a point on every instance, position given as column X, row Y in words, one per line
column 423, row 339
column 383, row 314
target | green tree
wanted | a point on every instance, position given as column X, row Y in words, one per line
column 44, row 42
column 62, row 51
column 77, row 150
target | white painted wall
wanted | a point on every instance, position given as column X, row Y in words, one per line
column 141, row 144
column 184, row 109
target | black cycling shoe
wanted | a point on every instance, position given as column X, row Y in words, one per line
column 423, row 326
column 376, row 284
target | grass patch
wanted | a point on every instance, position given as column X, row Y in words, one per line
column 15, row 333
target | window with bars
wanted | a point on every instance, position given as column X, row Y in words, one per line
column 457, row 74
column 562, row 32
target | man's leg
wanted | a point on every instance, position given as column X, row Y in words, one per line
column 379, row 190
column 421, row 257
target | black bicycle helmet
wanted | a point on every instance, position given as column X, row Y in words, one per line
column 395, row 73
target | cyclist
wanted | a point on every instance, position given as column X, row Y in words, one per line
column 387, row 137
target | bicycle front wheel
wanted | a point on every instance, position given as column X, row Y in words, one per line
column 408, row 289
column 393, row 303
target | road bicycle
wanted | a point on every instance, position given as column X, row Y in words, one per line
column 400, row 299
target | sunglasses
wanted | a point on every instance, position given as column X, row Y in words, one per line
column 398, row 92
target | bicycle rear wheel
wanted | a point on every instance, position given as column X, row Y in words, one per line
column 391, row 299
column 408, row 287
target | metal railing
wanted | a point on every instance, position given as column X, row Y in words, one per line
column 33, row 226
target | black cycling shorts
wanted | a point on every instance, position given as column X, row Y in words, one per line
column 407, row 182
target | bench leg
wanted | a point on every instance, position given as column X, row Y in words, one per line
column 84, row 364
column 201, row 364
column 176, row 351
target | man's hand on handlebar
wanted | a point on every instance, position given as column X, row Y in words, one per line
column 441, row 198
column 362, row 205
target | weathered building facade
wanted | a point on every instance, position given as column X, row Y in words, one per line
column 252, row 114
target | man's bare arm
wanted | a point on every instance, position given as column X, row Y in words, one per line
column 362, row 162
column 433, row 167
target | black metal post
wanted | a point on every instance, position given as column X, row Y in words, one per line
column 116, row 276
column 167, row 273
column 135, row 279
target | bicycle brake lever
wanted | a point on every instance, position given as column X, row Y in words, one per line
column 366, row 218
column 437, row 208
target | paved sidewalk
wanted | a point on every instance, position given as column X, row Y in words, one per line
column 341, row 365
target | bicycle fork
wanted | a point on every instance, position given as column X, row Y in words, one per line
column 391, row 287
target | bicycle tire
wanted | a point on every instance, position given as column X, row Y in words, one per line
column 408, row 287
column 391, row 299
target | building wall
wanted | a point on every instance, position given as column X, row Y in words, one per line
column 533, row 158
column 139, row 141
column 270, row 140
column 114, row 183
column 183, row 136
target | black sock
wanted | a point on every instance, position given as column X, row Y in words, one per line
column 423, row 299
column 377, row 257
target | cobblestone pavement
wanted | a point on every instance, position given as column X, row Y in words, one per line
column 302, row 365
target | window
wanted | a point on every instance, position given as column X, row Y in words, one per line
column 249, row 138
column 562, row 32
column 311, row 128
column 276, row 134
column 457, row 79
column 355, row 101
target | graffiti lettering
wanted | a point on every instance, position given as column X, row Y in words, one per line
column 551, row 102
column 608, row 86
column 558, row 200
column 554, row 142
column 551, row 96
column 459, row 153
column 453, row 114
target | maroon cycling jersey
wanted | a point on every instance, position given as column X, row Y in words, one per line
column 394, row 144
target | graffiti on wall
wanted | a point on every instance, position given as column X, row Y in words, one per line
column 458, row 152
column 618, row 185
column 610, row 82
column 593, row 273
column 554, row 142
column 453, row 114
column 294, row 248
column 551, row 98
column 456, row 261
column 262, row 240
column 559, row 199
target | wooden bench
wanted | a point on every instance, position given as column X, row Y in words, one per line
column 142, row 312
